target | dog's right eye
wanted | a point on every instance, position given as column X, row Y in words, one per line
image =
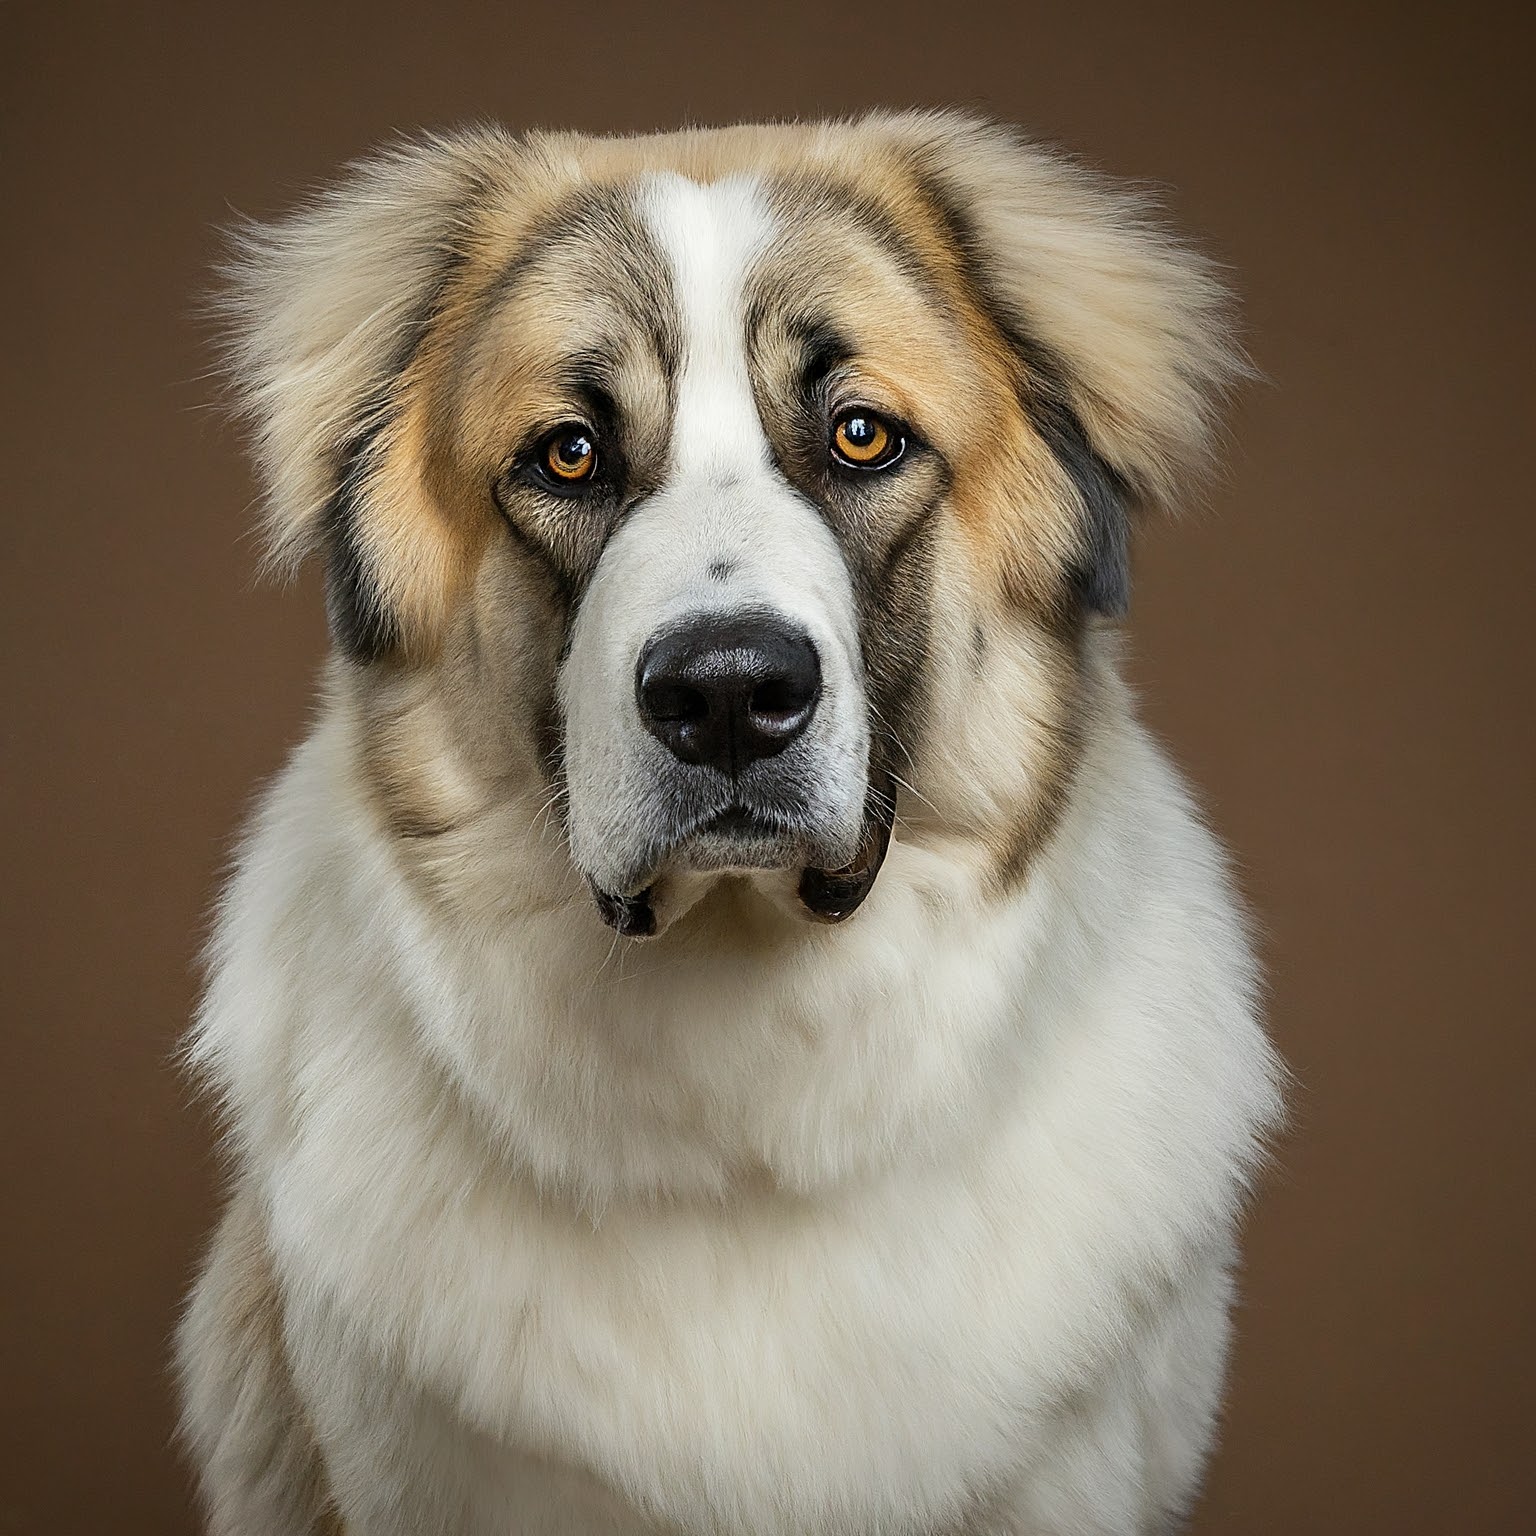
column 566, row 460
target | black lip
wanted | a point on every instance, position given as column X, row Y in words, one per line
column 834, row 895
column 632, row 916
column 740, row 821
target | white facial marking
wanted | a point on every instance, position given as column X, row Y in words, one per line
column 710, row 236
column 725, row 533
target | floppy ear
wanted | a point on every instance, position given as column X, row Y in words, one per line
column 322, row 314
column 1124, row 333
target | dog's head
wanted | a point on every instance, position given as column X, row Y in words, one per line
column 715, row 490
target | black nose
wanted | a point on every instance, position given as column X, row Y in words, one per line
column 726, row 690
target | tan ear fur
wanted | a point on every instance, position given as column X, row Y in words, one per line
column 322, row 309
column 1137, row 324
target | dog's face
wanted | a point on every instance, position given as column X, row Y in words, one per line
column 722, row 489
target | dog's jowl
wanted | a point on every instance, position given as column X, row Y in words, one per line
column 728, row 1024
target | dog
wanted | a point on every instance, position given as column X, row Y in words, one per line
column 728, row 1023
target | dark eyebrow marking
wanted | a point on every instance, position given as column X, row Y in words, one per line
column 625, row 266
column 824, row 349
column 588, row 372
column 602, row 208
column 794, row 197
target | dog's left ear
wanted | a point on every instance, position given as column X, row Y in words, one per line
column 1124, row 333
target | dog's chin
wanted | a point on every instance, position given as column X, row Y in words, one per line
column 835, row 874
column 734, row 841
column 687, row 875
column 741, row 840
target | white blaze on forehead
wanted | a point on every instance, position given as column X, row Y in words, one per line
column 724, row 532
column 710, row 235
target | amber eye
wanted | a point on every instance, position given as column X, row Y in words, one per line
column 569, row 455
column 865, row 440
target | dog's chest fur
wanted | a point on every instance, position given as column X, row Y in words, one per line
column 767, row 1369
column 880, row 1350
column 878, row 1362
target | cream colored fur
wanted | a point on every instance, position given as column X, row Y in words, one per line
column 922, row 1225
column 978, row 1281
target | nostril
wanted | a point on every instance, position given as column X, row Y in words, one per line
column 779, row 699
column 775, row 697
column 674, row 703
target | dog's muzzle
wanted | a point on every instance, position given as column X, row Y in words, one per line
column 723, row 693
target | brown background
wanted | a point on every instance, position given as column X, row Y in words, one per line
column 1340, row 652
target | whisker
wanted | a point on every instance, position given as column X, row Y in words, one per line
column 888, row 734
column 916, row 794
column 557, row 793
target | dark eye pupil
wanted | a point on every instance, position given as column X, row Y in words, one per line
column 573, row 449
column 860, row 430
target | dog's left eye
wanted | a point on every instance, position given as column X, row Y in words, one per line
column 865, row 440
column 566, row 460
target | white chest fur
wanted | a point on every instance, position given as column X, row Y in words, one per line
column 898, row 1257
column 781, row 1366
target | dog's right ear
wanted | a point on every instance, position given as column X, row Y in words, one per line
column 321, row 312
column 1125, row 332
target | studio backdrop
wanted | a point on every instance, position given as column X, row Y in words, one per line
column 1337, row 644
